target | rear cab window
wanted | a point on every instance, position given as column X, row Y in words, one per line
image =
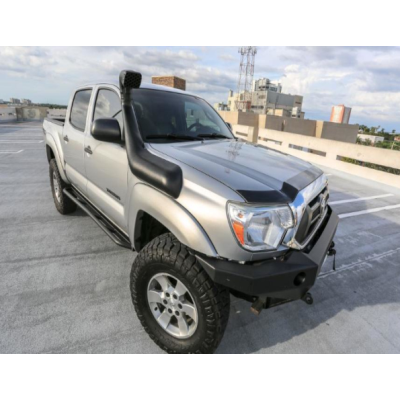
column 80, row 108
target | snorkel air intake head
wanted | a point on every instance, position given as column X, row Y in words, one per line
column 129, row 80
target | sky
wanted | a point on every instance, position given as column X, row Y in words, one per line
column 364, row 78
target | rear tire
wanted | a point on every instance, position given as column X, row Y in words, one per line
column 207, row 303
column 62, row 202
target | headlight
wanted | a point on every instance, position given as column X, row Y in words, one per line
column 259, row 228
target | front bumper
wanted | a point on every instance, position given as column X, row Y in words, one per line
column 289, row 277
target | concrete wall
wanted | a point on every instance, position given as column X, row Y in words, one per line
column 325, row 152
column 33, row 113
column 307, row 127
column 8, row 114
column 271, row 122
column 245, row 132
column 304, row 127
column 333, row 131
column 240, row 118
column 230, row 116
column 249, row 119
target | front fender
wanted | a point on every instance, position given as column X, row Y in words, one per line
column 169, row 213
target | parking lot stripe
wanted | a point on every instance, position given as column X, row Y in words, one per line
column 371, row 210
column 18, row 137
column 11, row 152
column 361, row 199
column 360, row 263
column 22, row 141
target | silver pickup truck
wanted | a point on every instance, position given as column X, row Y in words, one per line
column 209, row 215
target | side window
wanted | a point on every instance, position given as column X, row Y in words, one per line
column 80, row 108
column 108, row 105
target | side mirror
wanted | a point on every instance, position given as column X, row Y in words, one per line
column 229, row 126
column 106, row 130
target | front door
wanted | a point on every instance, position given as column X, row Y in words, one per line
column 106, row 164
column 73, row 139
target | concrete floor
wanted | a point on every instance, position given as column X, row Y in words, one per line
column 64, row 285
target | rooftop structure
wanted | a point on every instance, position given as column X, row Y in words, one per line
column 170, row 81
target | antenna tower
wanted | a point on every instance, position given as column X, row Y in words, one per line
column 246, row 73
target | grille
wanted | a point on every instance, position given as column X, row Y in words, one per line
column 312, row 216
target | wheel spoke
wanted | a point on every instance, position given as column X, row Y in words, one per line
column 189, row 310
column 183, row 326
column 164, row 282
column 154, row 296
column 164, row 319
column 180, row 289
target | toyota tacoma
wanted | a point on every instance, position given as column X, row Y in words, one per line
column 209, row 215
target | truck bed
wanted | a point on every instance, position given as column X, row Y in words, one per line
column 58, row 121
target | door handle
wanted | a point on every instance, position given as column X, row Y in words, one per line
column 88, row 150
column 66, row 138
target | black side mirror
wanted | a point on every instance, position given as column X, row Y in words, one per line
column 229, row 125
column 106, row 130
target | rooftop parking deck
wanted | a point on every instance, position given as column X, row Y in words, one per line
column 64, row 285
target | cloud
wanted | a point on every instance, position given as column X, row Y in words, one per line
column 364, row 78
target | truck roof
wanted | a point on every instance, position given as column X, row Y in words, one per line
column 144, row 85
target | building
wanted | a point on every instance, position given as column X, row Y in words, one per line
column 14, row 101
column 170, row 81
column 26, row 101
column 397, row 139
column 267, row 97
column 264, row 84
column 340, row 114
column 373, row 139
column 2, row 101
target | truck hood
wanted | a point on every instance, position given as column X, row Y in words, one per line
column 257, row 173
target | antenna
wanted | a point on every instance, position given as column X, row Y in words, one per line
column 246, row 73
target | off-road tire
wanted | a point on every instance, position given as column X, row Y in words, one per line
column 64, row 205
column 165, row 254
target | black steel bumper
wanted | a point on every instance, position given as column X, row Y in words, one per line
column 289, row 277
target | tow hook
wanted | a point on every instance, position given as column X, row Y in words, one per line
column 308, row 299
column 258, row 306
column 332, row 252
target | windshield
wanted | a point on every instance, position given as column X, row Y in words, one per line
column 168, row 116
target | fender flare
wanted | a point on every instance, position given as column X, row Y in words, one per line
column 52, row 144
column 171, row 214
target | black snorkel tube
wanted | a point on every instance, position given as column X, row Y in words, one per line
column 146, row 166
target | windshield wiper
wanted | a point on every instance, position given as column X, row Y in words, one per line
column 213, row 136
column 173, row 137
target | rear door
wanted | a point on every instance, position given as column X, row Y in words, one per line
column 73, row 138
column 106, row 164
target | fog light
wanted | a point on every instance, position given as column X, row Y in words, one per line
column 300, row 279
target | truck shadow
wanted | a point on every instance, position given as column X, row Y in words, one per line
column 344, row 316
